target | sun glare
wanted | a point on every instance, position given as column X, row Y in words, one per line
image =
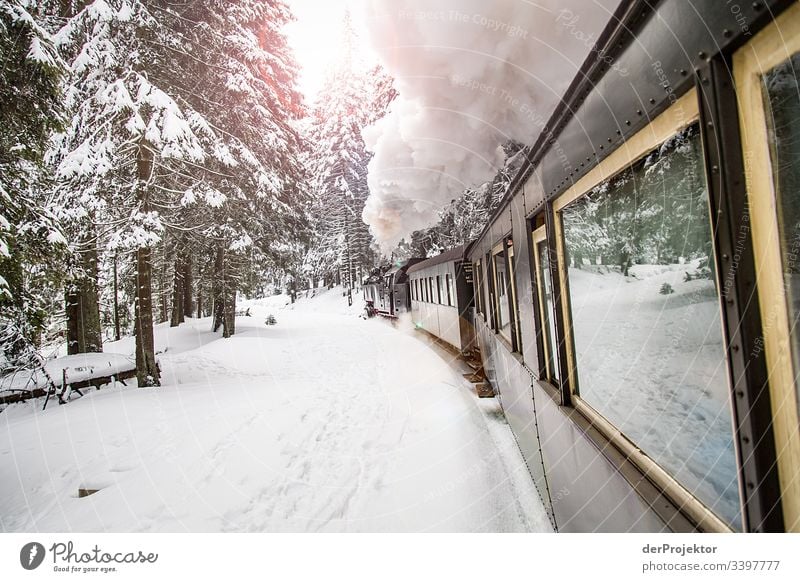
column 315, row 36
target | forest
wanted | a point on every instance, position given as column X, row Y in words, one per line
column 157, row 160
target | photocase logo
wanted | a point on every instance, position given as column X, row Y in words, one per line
column 31, row 555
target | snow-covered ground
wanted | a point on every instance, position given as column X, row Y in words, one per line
column 322, row 422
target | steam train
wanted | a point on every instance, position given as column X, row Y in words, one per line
column 634, row 297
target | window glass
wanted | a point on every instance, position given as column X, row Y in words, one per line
column 547, row 309
column 513, row 296
column 449, row 284
column 646, row 318
column 439, row 289
column 479, row 288
column 782, row 97
column 503, row 316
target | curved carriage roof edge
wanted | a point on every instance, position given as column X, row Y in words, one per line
column 456, row 253
column 688, row 43
column 403, row 266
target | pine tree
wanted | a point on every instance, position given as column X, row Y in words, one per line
column 353, row 97
column 30, row 240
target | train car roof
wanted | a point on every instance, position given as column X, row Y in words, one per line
column 403, row 266
column 457, row 253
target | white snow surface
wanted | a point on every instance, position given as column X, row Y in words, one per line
column 322, row 422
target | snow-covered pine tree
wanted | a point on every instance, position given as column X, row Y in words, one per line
column 239, row 71
column 353, row 96
column 466, row 216
column 129, row 141
column 30, row 241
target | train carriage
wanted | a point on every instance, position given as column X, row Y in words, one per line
column 636, row 292
column 388, row 294
column 442, row 298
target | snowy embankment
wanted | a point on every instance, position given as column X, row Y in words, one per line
column 323, row 422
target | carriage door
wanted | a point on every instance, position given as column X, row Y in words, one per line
column 544, row 287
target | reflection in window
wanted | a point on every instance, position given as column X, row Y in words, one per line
column 645, row 315
column 479, row 288
column 548, row 324
column 782, row 95
column 503, row 319
column 448, row 283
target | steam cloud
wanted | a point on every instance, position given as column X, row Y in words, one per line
column 471, row 75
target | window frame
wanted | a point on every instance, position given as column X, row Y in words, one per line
column 776, row 43
column 682, row 113
column 502, row 248
column 549, row 352
column 478, row 269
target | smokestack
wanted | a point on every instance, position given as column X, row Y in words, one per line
column 471, row 75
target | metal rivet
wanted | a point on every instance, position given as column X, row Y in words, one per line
column 638, row 112
column 652, row 101
column 745, row 439
column 740, row 393
column 757, row 6
column 683, row 72
column 701, row 55
column 726, row 33
column 735, row 347
column 627, row 122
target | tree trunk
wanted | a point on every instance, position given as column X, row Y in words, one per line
column 229, row 311
column 84, row 329
column 188, row 283
column 147, row 372
column 117, row 333
column 177, row 291
column 218, row 288
column 164, row 287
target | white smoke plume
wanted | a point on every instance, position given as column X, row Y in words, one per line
column 471, row 74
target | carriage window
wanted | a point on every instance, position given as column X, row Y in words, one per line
column 439, row 289
column 479, row 289
column 502, row 292
column 546, row 306
column 448, row 283
column 782, row 99
column 646, row 318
